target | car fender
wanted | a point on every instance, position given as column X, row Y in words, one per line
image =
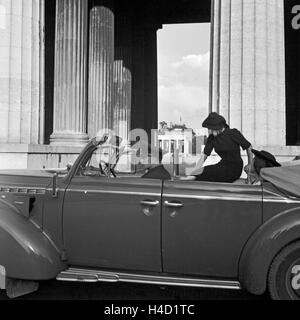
column 26, row 252
column 264, row 245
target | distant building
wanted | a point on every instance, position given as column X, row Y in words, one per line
column 179, row 137
column 201, row 132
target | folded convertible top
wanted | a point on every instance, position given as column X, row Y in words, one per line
column 286, row 178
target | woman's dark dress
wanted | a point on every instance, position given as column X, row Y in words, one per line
column 228, row 146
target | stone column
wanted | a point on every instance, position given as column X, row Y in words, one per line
column 101, row 104
column 20, row 71
column 123, row 74
column 42, row 120
column 122, row 100
column 248, row 73
column 138, row 78
column 151, row 86
column 70, row 86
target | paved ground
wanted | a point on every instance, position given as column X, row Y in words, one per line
column 66, row 291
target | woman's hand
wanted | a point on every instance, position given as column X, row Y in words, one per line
column 188, row 178
column 197, row 172
column 248, row 168
column 250, row 160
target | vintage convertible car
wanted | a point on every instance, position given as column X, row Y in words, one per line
column 89, row 225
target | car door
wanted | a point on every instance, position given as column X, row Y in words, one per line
column 113, row 223
column 205, row 226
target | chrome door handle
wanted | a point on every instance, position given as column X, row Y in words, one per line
column 19, row 203
column 150, row 203
column 176, row 205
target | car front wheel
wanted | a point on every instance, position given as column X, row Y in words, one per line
column 284, row 275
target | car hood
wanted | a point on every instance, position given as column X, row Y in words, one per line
column 25, row 178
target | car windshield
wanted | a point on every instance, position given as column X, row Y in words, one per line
column 109, row 158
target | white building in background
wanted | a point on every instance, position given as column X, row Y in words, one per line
column 177, row 138
column 203, row 132
column 180, row 138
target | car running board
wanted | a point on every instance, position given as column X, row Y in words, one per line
column 84, row 275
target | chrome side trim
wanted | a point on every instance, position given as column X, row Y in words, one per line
column 287, row 201
column 82, row 275
column 23, row 190
column 280, row 199
column 273, row 193
column 181, row 196
column 148, row 194
column 254, row 199
column 221, row 198
column 240, row 199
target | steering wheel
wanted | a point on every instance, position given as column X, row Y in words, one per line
column 106, row 170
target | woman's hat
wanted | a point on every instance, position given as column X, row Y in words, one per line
column 267, row 157
column 214, row 122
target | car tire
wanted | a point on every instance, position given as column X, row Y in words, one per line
column 284, row 275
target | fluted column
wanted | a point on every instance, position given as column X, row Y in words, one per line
column 70, row 87
column 151, row 94
column 101, row 103
column 122, row 99
column 248, row 73
column 123, row 75
column 20, row 71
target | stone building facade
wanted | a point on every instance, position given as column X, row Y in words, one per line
column 70, row 68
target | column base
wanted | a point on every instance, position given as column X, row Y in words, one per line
column 69, row 139
column 36, row 157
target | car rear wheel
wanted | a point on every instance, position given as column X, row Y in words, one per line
column 284, row 275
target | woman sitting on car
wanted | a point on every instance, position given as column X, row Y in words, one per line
column 227, row 143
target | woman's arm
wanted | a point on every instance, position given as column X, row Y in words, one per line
column 238, row 137
column 249, row 167
column 199, row 166
column 197, row 170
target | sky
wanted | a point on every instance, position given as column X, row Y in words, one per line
column 183, row 73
